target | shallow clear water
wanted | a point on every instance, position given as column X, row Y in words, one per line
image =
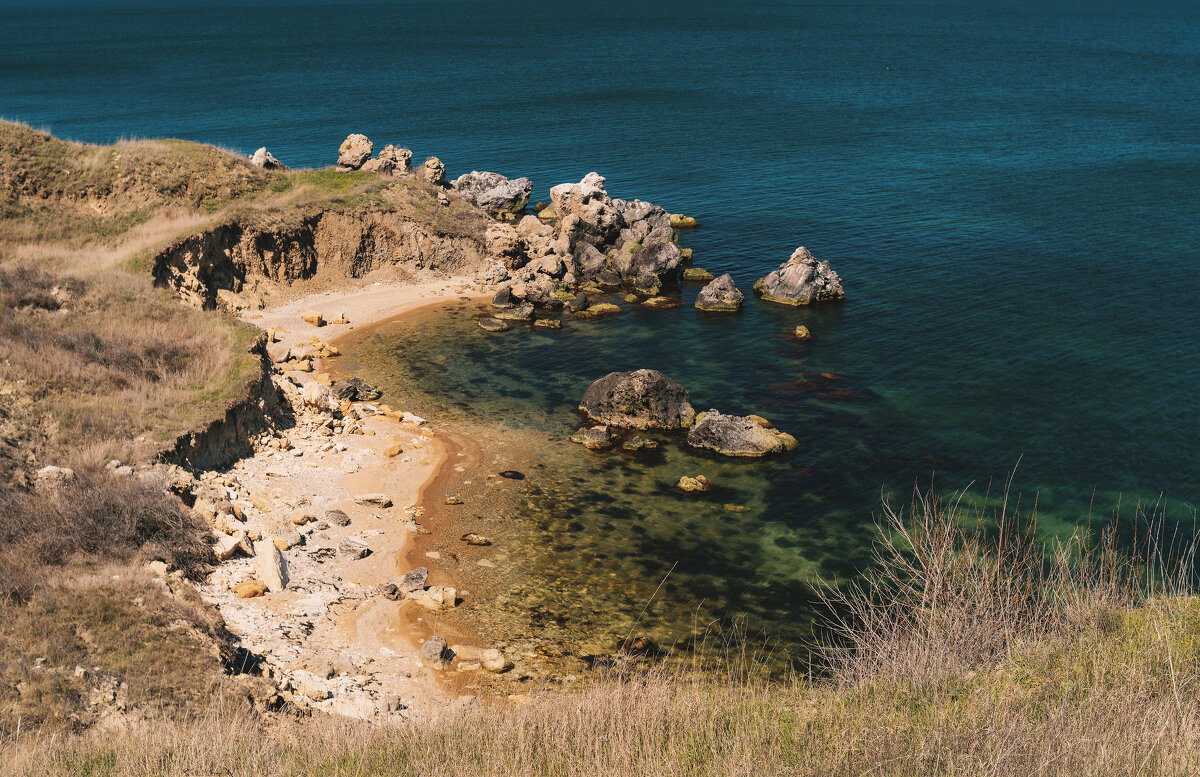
column 1009, row 192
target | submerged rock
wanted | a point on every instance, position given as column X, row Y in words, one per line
column 598, row 310
column 698, row 484
column 355, row 390
column 732, row 435
column 489, row 324
column 594, row 437
column 802, row 333
column 639, row 444
column 680, row 221
column 517, row 313
column 801, row 280
column 721, row 295
column 697, row 274
column 493, row 192
column 354, row 152
column 642, row 399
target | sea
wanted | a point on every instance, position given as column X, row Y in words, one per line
column 1009, row 191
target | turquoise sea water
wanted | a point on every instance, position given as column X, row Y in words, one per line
column 1009, row 192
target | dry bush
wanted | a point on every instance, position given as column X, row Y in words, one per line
column 94, row 517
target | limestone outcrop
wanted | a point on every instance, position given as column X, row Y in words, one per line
column 493, row 192
column 801, row 280
column 391, row 161
column 433, row 171
column 354, row 152
column 642, row 399
column 266, row 160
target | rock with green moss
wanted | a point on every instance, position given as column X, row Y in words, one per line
column 720, row 295
column 639, row 444
column 489, row 324
column 680, row 221
column 516, row 313
column 594, row 438
column 694, row 485
column 547, row 323
column 662, row 302
column 801, row 280
column 802, row 333
column 598, row 310
column 697, row 274
column 631, row 298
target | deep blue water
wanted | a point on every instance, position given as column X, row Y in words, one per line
column 1008, row 190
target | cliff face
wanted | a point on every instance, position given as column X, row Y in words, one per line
column 253, row 259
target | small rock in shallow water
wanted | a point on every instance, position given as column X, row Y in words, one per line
column 512, row 474
column 698, row 484
column 476, row 539
column 494, row 661
column 637, row 646
column 802, row 333
column 639, row 443
column 453, row 500
column 547, row 323
column 435, row 651
column 594, row 438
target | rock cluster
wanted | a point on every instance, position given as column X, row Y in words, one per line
column 586, row 236
column 391, row 161
column 801, row 280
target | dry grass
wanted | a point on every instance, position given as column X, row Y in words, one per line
column 1106, row 684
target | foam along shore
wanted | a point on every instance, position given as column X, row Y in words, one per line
column 328, row 502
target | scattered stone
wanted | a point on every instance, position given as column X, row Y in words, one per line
column 392, row 451
column 227, row 545
column 476, row 539
column 637, row 646
column 266, row 160
column 313, row 317
column 720, row 295
column 643, row 399
column 517, row 313
column 737, row 435
column 301, row 517
column 249, row 589
column 355, row 390
column 435, row 651
column 801, row 280
column 270, row 566
column 494, row 661
column 436, row 597
column 354, row 152
column 453, row 500
column 354, row 548
column 698, row 484
column 413, row 580
column 373, row 500
column 337, row 518
column 512, row 474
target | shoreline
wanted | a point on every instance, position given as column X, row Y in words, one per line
column 330, row 639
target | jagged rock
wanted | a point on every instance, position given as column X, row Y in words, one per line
column 489, row 324
column 720, row 295
column 518, row 313
column 503, row 297
column 355, row 390
column 413, row 580
column 493, row 192
column 354, row 151
column 227, row 545
column 266, row 160
column 433, row 171
column 698, row 484
column 801, row 280
column 435, row 651
column 270, row 565
column 737, row 435
column 391, row 161
column 643, row 399
column 354, row 548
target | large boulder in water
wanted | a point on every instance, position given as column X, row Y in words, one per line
column 643, row 399
column 721, row 294
column 801, row 280
column 354, row 151
column 493, row 192
column 733, row 435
